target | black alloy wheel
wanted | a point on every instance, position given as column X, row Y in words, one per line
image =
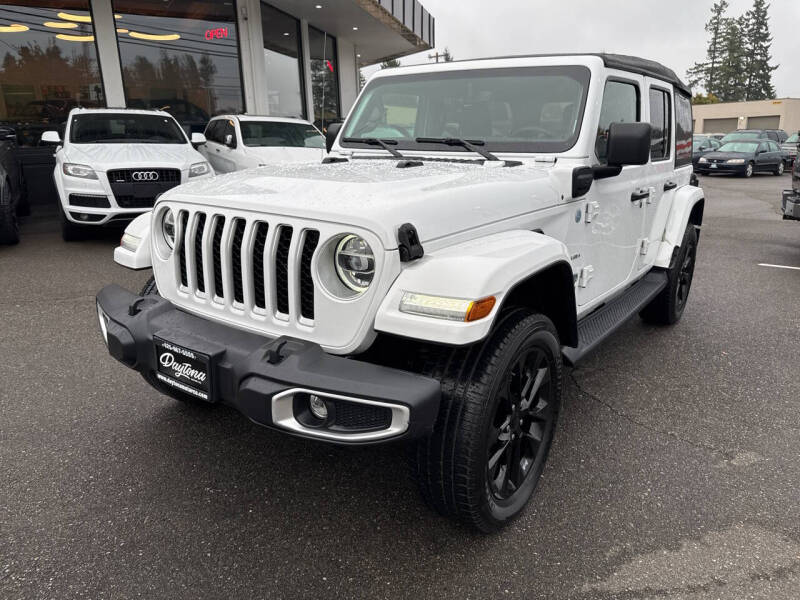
column 522, row 424
column 685, row 276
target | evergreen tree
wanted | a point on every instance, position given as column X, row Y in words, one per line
column 732, row 74
column 706, row 74
column 390, row 64
column 758, row 42
column 446, row 56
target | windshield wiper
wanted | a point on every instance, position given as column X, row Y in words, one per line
column 468, row 144
column 376, row 142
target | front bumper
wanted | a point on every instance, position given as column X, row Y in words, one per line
column 707, row 169
column 790, row 204
column 270, row 380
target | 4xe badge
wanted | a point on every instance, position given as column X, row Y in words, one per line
column 182, row 368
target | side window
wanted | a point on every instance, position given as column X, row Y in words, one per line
column 763, row 147
column 620, row 105
column 773, row 147
column 683, row 130
column 212, row 131
column 772, row 135
column 661, row 122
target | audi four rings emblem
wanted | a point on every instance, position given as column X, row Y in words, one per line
column 145, row 176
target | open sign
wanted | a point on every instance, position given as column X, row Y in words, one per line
column 219, row 33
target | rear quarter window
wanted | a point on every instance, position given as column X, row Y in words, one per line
column 683, row 130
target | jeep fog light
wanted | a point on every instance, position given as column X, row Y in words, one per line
column 130, row 242
column 450, row 309
column 318, row 407
column 103, row 318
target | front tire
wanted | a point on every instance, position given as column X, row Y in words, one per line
column 667, row 308
column 749, row 170
column 780, row 168
column 500, row 405
column 69, row 231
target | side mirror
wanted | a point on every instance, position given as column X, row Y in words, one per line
column 8, row 134
column 331, row 134
column 629, row 144
column 51, row 137
column 230, row 142
column 198, row 139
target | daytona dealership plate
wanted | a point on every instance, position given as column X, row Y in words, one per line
column 183, row 369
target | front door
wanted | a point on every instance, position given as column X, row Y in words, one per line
column 614, row 208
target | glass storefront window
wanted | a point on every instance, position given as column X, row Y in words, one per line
column 324, row 78
column 182, row 56
column 48, row 65
column 283, row 59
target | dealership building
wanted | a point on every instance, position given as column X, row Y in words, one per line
column 783, row 113
column 194, row 58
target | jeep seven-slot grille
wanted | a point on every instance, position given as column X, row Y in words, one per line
column 251, row 265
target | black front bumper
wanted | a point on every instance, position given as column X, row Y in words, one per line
column 268, row 379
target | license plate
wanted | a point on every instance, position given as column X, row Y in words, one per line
column 713, row 166
column 183, row 369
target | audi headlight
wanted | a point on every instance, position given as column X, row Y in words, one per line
column 168, row 227
column 200, row 168
column 703, row 159
column 82, row 171
column 735, row 161
column 355, row 263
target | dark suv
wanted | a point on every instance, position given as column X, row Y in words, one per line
column 11, row 186
column 776, row 135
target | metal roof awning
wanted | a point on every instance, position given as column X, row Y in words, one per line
column 379, row 29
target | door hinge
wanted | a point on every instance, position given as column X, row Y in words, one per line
column 644, row 246
column 592, row 210
column 585, row 276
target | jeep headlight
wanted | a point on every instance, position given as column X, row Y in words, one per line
column 168, row 227
column 735, row 161
column 703, row 159
column 355, row 263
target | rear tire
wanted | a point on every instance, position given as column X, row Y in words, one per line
column 667, row 308
column 9, row 224
column 69, row 231
column 500, row 404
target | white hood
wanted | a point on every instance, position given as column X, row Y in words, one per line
column 109, row 156
column 439, row 199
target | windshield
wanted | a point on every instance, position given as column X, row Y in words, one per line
column 121, row 128
column 793, row 139
column 742, row 135
column 275, row 133
column 530, row 109
column 748, row 147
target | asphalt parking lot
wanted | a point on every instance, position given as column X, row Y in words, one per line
column 675, row 472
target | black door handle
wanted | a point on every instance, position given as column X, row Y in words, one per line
column 639, row 196
column 669, row 186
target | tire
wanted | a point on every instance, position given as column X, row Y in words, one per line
column 749, row 170
column 667, row 308
column 464, row 467
column 9, row 224
column 69, row 231
column 780, row 169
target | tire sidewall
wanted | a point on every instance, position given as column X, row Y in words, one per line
column 538, row 333
column 749, row 170
column 689, row 244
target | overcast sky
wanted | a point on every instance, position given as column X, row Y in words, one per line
column 669, row 31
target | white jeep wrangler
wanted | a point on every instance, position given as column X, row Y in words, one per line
column 476, row 225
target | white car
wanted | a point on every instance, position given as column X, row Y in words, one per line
column 476, row 226
column 237, row 142
column 113, row 163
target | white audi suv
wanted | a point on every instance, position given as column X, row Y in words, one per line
column 113, row 163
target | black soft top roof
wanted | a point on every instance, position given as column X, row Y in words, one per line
column 633, row 64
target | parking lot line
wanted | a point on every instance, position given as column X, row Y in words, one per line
column 778, row 266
